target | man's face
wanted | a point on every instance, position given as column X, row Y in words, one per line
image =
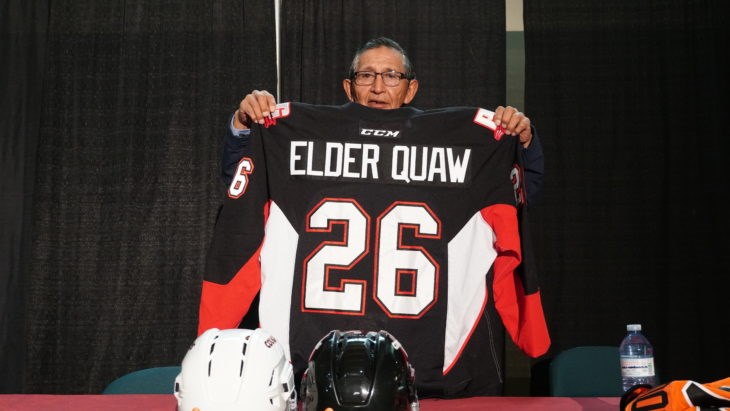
column 378, row 95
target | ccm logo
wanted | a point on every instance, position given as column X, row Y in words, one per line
column 378, row 133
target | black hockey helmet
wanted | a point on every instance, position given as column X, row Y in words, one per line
column 356, row 371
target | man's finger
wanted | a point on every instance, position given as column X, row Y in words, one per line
column 522, row 125
column 253, row 108
column 513, row 122
column 498, row 113
column 272, row 102
column 264, row 103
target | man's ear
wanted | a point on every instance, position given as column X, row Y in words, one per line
column 412, row 90
column 347, row 85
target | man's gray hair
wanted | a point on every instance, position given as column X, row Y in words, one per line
column 382, row 42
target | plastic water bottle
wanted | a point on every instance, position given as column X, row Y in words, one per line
column 637, row 359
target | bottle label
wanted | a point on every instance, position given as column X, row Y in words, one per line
column 637, row 367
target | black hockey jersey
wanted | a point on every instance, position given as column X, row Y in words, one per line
column 347, row 217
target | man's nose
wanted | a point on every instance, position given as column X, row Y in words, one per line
column 378, row 85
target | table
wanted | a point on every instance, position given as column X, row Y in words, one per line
column 165, row 402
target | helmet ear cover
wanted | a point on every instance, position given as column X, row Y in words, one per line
column 236, row 369
column 359, row 371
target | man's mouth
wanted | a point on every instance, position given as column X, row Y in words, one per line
column 375, row 103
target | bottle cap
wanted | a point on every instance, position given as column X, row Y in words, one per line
column 633, row 327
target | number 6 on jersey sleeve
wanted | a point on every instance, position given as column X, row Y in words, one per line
column 240, row 178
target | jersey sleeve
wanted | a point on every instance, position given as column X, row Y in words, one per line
column 521, row 311
column 515, row 285
column 232, row 276
column 533, row 336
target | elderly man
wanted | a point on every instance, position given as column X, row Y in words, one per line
column 360, row 236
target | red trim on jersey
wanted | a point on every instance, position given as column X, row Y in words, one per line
column 521, row 314
column 267, row 209
column 533, row 337
column 401, row 282
column 224, row 305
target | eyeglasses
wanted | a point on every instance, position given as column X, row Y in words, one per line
column 390, row 78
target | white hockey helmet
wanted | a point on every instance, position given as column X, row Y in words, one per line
column 235, row 369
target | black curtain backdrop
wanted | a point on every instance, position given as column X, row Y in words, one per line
column 136, row 98
column 22, row 53
column 631, row 101
column 125, row 185
column 457, row 47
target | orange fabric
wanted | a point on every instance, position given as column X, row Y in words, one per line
column 683, row 395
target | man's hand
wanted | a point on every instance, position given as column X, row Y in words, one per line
column 514, row 123
column 253, row 108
